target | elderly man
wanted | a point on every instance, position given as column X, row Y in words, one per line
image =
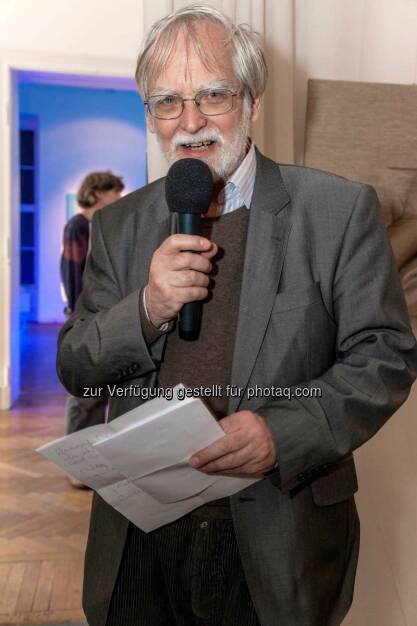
column 305, row 296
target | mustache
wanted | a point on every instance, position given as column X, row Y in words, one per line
column 207, row 135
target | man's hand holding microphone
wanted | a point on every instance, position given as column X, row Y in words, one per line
column 179, row 273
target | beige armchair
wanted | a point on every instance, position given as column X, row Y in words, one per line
column 368, row 132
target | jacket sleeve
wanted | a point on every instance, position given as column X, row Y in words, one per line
column 102, row 342
column 375, row 357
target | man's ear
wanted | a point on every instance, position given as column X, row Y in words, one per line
column 255, row 109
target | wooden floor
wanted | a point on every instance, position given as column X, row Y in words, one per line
column 43, row 520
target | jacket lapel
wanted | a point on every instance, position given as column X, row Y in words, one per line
column 268, row 230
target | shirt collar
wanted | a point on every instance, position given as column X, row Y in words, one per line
column 238, row 190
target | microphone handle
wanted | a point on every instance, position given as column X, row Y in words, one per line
column 190, row 314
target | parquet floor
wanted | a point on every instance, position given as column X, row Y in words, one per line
column 43, row 520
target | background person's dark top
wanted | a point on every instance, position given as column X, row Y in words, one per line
column 74, row 255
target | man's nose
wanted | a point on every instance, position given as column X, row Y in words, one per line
column 191, row 119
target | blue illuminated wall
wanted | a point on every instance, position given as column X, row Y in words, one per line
column 80, row 130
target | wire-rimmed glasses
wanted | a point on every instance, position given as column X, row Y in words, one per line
column 208, row 102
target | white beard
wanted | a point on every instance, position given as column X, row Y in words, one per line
column 228, row 156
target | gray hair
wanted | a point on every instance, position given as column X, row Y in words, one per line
column 248, row 58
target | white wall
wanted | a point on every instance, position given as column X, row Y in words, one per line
column 76, row 27
column 80, row 130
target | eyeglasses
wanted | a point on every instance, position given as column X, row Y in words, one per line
column 207, row 101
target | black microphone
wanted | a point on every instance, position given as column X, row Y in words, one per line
column 188, row 192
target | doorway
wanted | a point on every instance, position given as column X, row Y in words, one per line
column 60, row 127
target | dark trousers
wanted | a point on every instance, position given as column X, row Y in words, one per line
column 187, row 573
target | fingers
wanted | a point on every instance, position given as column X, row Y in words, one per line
column 227, row 445
column 209, row 254
column 189, row 260
column 178, row 243
column 246, row 461
column 229, row 461
column 189, row 278
column 247, row 448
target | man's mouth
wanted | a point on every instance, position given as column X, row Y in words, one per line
column 199, row 146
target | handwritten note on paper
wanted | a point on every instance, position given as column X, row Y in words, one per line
column 77, row 456
column 138, row 463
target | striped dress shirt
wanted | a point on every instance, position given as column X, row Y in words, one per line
column 238, row 190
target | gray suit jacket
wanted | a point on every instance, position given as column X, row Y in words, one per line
column 320, row 306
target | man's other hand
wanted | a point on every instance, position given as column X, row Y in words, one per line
column 247, row 449
column 178, row 274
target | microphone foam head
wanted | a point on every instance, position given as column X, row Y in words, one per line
column 189, row 186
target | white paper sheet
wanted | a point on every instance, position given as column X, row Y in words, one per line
column 138, row 463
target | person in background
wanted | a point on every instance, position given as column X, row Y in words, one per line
column 97, row 190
